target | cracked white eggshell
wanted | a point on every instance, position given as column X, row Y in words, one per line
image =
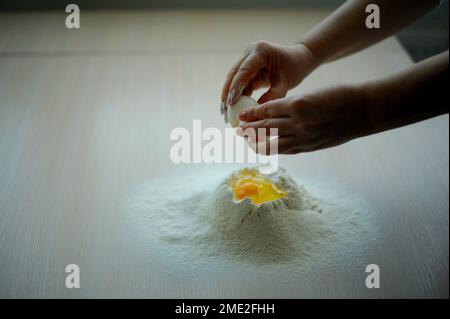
column 245, row 102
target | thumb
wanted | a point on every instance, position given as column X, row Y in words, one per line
column 275, row 92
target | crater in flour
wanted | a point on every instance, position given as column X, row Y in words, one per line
column 195, row 222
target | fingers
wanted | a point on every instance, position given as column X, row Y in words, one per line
column 248, row 69
column 230, row 77
column 271, row 109
column 281, row 145
column 259, row 81
column 282, row 124
column 227, row 84
column 275, row 92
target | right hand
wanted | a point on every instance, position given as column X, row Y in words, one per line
column 264, row 64
column 325, row 118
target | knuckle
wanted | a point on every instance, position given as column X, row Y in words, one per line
column 232, row 71
column 262, row 45
column 299, row 127
column 265, row 110
column 245, row 70
column 297, row 104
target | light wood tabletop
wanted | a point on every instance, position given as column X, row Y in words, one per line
column 85, row 117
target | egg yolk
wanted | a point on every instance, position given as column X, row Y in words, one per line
column 248, row 183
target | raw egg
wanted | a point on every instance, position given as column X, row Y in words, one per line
column 249, row 183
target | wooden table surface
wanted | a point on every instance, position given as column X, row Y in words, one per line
column 85, row 117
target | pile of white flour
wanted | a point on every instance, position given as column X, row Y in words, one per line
column 190, row 221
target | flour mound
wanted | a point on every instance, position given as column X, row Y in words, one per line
column 270, row 232
column 195, row 222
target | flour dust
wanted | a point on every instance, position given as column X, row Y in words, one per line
column 189, row 220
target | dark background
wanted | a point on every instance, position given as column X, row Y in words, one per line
column 424, row 38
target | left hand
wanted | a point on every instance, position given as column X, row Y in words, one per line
column 322, row 119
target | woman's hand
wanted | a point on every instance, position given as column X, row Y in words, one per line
column 326, row 118
column 264, row 64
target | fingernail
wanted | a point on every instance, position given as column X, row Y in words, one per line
column 235, row 97
column 241, row 89
column 230, row 97
column 222, row 107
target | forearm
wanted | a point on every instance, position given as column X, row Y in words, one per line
column 415, row 94
column 344, row 31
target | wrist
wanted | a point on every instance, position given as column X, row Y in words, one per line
column 316, row 56
column 306, row 57
column 369, row 106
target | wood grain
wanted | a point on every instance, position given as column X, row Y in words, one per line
column 85, row 116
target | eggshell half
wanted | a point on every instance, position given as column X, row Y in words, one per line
column 244, row 103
